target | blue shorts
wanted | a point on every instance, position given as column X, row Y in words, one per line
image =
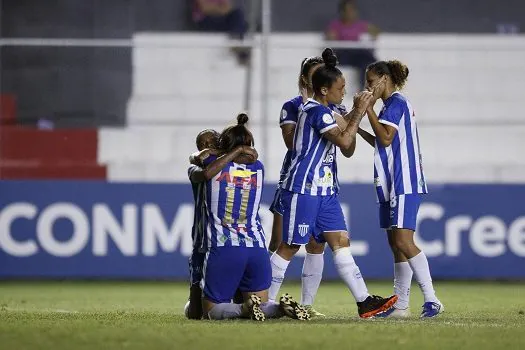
column 196, row 262
column 227, row 269
column 305, row 215
column 276, row 206
column 400, row 212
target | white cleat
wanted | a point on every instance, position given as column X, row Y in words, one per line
column 395, row 313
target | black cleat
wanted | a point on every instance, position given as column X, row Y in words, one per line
column 374, row 304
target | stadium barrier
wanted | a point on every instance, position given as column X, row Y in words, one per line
column 91, row 229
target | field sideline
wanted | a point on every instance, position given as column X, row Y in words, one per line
column 140, row 315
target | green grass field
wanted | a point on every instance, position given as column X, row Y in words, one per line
column 140, row 315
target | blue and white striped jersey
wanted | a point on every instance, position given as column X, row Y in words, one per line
column 289, row 115
column 398, row 168
column 199, row 214
column 233, row 198
column 313, row 168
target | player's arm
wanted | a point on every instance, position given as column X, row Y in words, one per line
column 368, row 137
column 198, row 158
column 345, row 139
column 200, row 174
column 249, row 155
column 384, row 132
column 288, row 132
column 342, row 123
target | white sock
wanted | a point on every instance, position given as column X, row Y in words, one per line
column 271, row 309
column 402, row 280
column 279, row 266
column 419, row 265
column 225, row 311
column 311, row 277
column 349, row 272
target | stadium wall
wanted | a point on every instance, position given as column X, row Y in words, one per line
column 81, row 229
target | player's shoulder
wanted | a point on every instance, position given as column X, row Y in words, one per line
column 293, row 103
column 339, row 108
column 398, row 99
column 313, row 107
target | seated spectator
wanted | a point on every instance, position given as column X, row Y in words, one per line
column 350, row 27
column 219, row 16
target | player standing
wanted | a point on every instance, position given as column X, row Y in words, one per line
column 313, row 264
column 399, row 182
column 309, row 197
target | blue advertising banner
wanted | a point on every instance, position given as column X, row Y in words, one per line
column 114, row 230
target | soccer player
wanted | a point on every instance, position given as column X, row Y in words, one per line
column 399, row 182
column 309, row 191
column 207, row 143
column 237, row 255
column 314, row 261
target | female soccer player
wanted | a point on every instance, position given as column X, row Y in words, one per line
column 399, row 182
column 208, row 144
column 314, row 261
column 237, row 256
column 309, row 191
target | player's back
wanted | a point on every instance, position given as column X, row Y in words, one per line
column 233, row 199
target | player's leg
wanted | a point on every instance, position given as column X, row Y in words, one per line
column 331, row 223
column 193, row 309
column 312, row 274
column 404, row 209
column 222, row 273
column 255, row 283
column 299, row 212
column 277, row 226
column 402, row 270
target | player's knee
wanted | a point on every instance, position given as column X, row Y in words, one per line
column 274, row 244
column 337, row 240
column 287, row 251
column 402, row 244
column 314, row 248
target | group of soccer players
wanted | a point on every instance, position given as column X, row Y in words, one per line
column 230, row 254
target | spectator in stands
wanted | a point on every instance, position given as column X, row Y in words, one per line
column 350, row 27
column 219, row 16
column 222, row 16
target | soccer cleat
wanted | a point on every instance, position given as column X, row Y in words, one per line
column 313, row 312
column 374, row 304
column 293, row 309
column 431, row 309
column 253, row 308
column 394, row 313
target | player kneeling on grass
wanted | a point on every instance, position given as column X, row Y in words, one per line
column 237, row 255
column 207, row 143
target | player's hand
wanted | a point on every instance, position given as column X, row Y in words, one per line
column 250, row 152
column 378, row 89
column 362, row 100
column 214, row 152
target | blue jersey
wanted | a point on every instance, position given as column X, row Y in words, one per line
column 233, row 198
column 398, row 168
column 289, row 115
column 199, row 214
column 313, row 168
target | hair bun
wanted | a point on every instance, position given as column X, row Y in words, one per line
column 329, row 57
column 242, row 118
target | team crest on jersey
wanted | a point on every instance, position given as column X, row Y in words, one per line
column 328, row 119
column 303, row 229
column 377, row 182
column 284, row 114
